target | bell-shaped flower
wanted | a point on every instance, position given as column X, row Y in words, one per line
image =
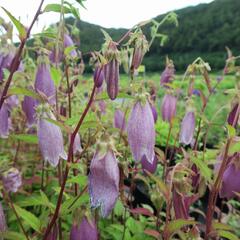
column 77, row 148
column 147, row 166
column 12, row 180
column 168, row 73
column 29, row 108
column 154, row 112
column 4, row 122
column 141, row 131
column 187, row 128
column 104, row 181
column 119, row 120
column 3, row 225
column 50, row 139
column 98, row 76
column 169, row 105
column 86, row 230
column 43, row 82
column 68, row 42
column 230, row 181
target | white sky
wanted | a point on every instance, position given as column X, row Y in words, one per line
column 106, row 13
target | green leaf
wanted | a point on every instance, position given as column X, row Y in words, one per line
column 231, row 131
column 222, row 226
column 21, row 29
column 234, row 147
column 80, row 180
column 176, row 225
column 23, row 91
column 81, row 3
column 55, row 7
column 30, row 218
column 56, row 75
column 9, row 235
column 227, row 235
column 74, row 11
column 28, row 138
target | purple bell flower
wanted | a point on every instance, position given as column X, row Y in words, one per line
column 50, row 140
column 187, row 128
column 168, row 74
column 12, row 180
column 4, row 123
column 119, row 120
column 3, row 225
column 44, row 83
column 98, row 76
column 87, row 230
column 104, row 181
column 168, row 109
column 141, row 132
column 28, row 106
column 68, row 42
column 230, row 182
column 150, row 167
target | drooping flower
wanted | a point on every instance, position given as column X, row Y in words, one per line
column 77, row 148
column 150, row 167
column 154, row 112
column 187, row 128
column 104, row 181
column 234, row 115
column 168, row 109
column 12, row 180
column 86, row 230
column 230, row 182
column 98, row 76
column 50, row 139
column 168, row 73
column 141, row 132
column 28, row 106
column 119, row 120
column 3, row 225
column 111, row 70
column 68, row 42
column 4, row 123
column 44, row 83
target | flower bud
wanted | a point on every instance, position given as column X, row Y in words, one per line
column 86, row 230
column 230, row 182
column 28, row 106
column 104, row 181
column 77, row 148
column 147, row 166
column 187, row 128
column 154, row 112
column 50, row 139
column 44, row 83
column 234, row 115
column 141, row 132
column 4, row 123
column 98, row 76
column 12, row 180
column 3, row 226
column 168, row 107
column 119, row 120
column 111, row 72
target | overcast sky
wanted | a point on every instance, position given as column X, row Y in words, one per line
column 107, row 13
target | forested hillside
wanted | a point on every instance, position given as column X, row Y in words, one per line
column 203, row 30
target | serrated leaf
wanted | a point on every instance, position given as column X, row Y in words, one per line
column 28, row 138
column 21, row 29
column 56, row 75
column 176, row 225
column 227, row 235
column 55, row 7
column 29, row 218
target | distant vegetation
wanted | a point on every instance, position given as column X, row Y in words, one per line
column 203, row 31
